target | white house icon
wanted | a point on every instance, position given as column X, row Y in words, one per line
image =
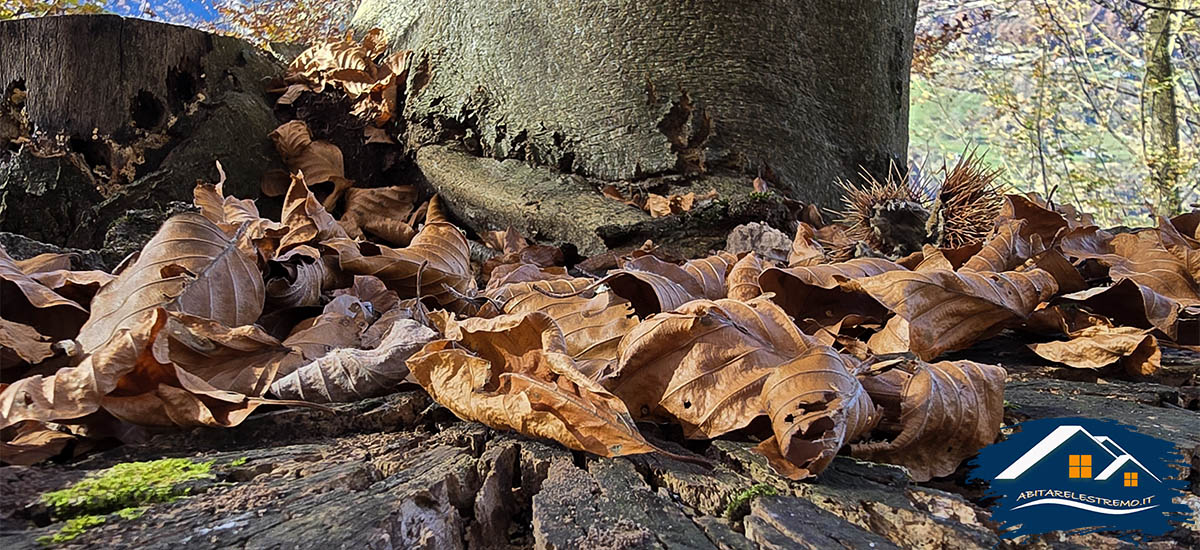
column 1059, row 436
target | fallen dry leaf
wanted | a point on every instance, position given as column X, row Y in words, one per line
column 742, row 282
column 592, row 326
column 34, row 442
column 189, row 266
column 659, row 206
column 295, row 278
column 124, row 378
column 510, row 373
column 947, row 311
column 806, row 250
column 22, row 343
column 436, row 264
column 704, row 364
column 381, row 213
column 709, row 274
column 816, row 406
column 935, row 415
column 349, row 374
column 505, row 242
column 818, row 292
column 307, row 222
column 1148, row 263
column 523, row 273
column 244, row 359
column 1004, row 250
column 319, row 160
column 31, row 303
column 41, row 263
column 536, row 254
column 1099, row 346
column 78, row 286
column 1040, row 220
column 1131, row 304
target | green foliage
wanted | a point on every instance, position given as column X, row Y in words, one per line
column 739, row 506
column 132, row 484
column 71, row 529
column 1053, row 92
column 238, row 461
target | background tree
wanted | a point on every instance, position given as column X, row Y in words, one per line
column 1062, row 95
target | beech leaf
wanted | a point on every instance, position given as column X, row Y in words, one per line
column 947, row 311
column 935, row 415
column 1098, row 346
column 189, row 266
column 510, row 373
column 704, row 364
column 348, row 374
column 816, row 406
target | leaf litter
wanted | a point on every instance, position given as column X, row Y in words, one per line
column 839, row 349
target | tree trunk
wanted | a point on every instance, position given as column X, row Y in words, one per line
column 801, row 93
column 1160, row 122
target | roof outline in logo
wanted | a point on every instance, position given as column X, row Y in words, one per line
column 1060, row 435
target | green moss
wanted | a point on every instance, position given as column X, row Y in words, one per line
column 132, row 513
column 762, row 196
column 71, row 529
column 126, row 485
column 238, row 461
column 739, row 507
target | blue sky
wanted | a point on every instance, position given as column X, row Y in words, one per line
column 170, row 10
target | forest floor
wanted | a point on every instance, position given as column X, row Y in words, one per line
column 402, row 472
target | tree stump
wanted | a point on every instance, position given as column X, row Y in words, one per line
column 103, row 114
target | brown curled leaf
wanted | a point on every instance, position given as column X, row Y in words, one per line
column 1098, row 346
column 31, row 303
column 510, row 373
column 710, row 272
column 947, row 310
column 189, row 266
column 349, row 374
column 22, row 344
column 742, row 282
column 704, row 364
column 380, row 212
column 436, row 264
column 1005, row 249
column 816, row 406
column 934, row 415
column 819, row 292
column 806, row 251
column 592, row 326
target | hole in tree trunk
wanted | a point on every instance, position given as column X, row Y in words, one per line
column 146, row 110
column 181, row 87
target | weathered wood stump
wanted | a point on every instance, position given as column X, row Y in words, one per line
column 103, row 114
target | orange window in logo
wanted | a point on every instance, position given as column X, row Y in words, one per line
column 1131, row 479
column 1080, row 467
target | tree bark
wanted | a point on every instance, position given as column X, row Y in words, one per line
column 800, row 92
column 1159, row 117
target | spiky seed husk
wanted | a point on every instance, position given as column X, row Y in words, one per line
column 968, row 202
column 866, row 211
